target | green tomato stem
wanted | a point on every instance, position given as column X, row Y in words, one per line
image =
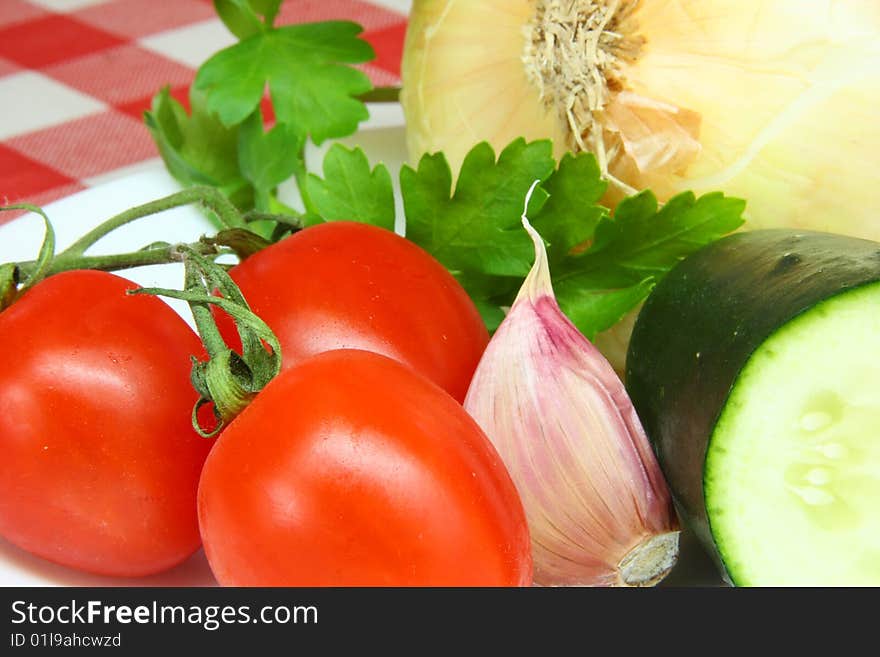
column 209, row 197
column 290, row 218
column 194, row 282
column 73, row 257
column 381, row 95
column 9, row 274
column 39, row 268
column 155, row 255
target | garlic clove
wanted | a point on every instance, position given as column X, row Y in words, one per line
column 598, row 507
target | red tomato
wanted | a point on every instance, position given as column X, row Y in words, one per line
column 352, row 470
column 350, row 285
column 99, row 465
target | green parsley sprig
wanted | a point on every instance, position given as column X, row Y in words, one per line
column 314, row 92
column 603, row 265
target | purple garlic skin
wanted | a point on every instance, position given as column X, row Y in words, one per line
column 599, row 510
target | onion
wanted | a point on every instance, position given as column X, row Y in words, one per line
column 775, row 101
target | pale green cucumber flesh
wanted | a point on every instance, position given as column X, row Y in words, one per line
column 792, row 471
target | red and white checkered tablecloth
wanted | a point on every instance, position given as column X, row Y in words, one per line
column 76, row 76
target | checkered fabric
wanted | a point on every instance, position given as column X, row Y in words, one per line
column 76, row 76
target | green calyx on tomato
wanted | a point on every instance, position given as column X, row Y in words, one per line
column 228, row 380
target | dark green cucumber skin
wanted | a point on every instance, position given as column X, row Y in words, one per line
column 704, row 320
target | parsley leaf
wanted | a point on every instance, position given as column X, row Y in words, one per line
column 264, row 157
column 239, row 17
column 268, row 9
column 642, row 239
column 594, row 310
column 182, row 139
column 602, row 266
column 303, row 65
column 633, row 250
column 571, row 213
column 351, row 191
column 242, row 17
column 477, row 228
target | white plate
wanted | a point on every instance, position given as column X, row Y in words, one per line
column 382, row 138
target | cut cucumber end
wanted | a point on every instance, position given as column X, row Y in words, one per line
column 792, row 472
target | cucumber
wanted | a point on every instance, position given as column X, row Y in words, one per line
column 754, row 366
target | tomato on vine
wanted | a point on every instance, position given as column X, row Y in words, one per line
column 349, row 469
column 100, row 463
column 350, row 285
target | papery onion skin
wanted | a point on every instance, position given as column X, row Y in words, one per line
column 782, row 95
column 463, row 81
